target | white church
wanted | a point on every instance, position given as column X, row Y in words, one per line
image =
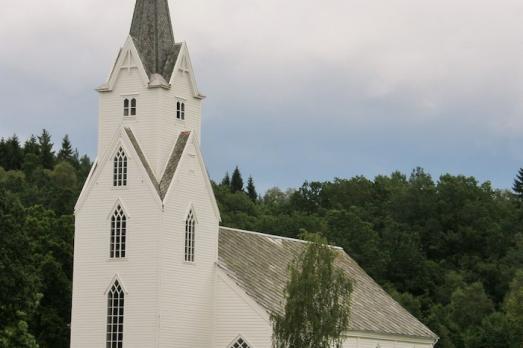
column 153, row 268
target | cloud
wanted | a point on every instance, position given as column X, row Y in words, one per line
column 297, row 89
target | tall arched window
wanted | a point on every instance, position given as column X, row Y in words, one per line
column 190, row 230
column 115, row 316
column 239, row 343
column 180, row 110
column 120, row 169
column 118, row 233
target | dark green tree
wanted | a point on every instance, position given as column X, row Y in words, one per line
column 518, row 184
column 251, row 190
column 66, row 152
column 514, row 306
column 317, row 308
column 47, row 157
column 236, row 181
column 226, row 181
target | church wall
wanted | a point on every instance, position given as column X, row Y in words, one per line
column 181, row 88
column 94, row 270
column 236, row 314
column 186, row 300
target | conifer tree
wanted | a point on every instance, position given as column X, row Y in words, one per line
column 46, row 150
column 251, row 190
column 31, row 146
column 317, row 309
column 66, row 152
column 14, row 156
column 518, row 184
column 236, row 181
column 3, row 153
column 226, row 181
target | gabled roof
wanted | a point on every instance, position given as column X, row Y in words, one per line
column 163, row 186
column 258, row 263
column 152, row 33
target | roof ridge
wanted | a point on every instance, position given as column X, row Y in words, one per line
column 273, row 236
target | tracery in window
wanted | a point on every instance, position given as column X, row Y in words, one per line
column 118, row 233
column 239, row 343
column 115, row 316
column 120, row 168
column 180, row 110
column 190, row 231
column 133, row 107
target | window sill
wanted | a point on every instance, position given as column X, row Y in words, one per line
column 115, row 260
column 119, row 188
column 189, row 263
column 129, row 118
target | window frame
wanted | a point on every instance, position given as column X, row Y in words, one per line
column 180, row 109
column 119, row 226
column 130, row 106
column 115, row 315
column 245, row 343
column 190, row 224
column 120, row 168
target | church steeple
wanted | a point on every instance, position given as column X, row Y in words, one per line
column 153, row 37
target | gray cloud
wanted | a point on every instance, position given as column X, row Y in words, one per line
column 297, row 89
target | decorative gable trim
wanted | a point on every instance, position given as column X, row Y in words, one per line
column 127, row 55
column 184, row 65
column 173, row 163
column 111, row 283
column 115, row 206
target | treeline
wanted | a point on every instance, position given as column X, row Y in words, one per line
column 38, row 190
column 450, row 250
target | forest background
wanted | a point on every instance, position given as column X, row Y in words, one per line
column 448, row 249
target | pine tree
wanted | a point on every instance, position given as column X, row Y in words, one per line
column 31, row 146
column 66, row 152
column 14, row 156
column 236, row 181
column 226, row 181
column 518, row 184
column 251, row 190
column 46, row 150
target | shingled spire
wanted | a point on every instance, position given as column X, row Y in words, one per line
column 153, row 36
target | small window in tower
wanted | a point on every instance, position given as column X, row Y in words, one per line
column 126, row 107
column 118, row 234
column 239, row 343
column 190, row 231
column 133, row 107
column 115, row 316
column 120, row 169
column 180, row 110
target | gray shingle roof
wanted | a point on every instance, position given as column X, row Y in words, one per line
column 259, row 263
column 152, row 33
column 163, row 186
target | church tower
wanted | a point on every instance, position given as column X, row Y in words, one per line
column 146, row 234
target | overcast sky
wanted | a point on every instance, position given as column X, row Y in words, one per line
column 297, row 89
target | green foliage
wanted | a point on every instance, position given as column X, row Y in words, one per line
column 236, row 181
column 66, row 152
column 47, row 157
column 514, row 306
column 251, row 190
column 518, row 184
column 317, row 307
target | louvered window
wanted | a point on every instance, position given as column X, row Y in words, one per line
column 120, row 169
column 190, row 234
column 118, row 233
column 115, row 316
column 240, row 343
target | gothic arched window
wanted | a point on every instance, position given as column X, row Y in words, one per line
column 180, row 110
column 120, row 169
column 118, row 233
column 239, row 343
column 190, row 234
column 115, row 316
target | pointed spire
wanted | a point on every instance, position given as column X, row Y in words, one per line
column 153, row 36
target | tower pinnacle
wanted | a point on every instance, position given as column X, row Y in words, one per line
column 153, row 36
